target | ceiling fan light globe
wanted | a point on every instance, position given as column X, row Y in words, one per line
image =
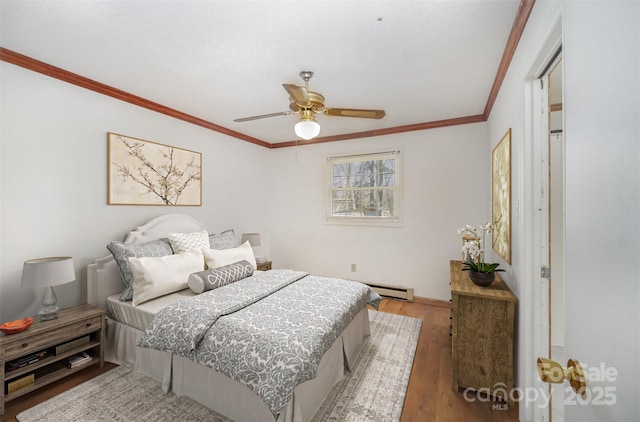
column 307, row 129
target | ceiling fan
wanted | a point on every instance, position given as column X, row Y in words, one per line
column 308, row 104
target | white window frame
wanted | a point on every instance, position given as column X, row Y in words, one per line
column 376, row 220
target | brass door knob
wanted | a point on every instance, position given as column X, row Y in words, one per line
column 552, row 372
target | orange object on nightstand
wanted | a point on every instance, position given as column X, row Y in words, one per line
column 13, row 327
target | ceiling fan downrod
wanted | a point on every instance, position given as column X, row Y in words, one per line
column 306, row 75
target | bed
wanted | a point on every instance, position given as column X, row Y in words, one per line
column 185, row 373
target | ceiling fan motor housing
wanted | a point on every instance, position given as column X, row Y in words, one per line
column 316, row 103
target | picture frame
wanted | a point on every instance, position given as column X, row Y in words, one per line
column 148, row 173
column 501, row 197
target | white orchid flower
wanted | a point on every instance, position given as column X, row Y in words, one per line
column 474, row 249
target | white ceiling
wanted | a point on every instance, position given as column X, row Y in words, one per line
column 420, row 61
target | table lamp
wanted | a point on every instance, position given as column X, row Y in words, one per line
column 254, row 240
column 48, row 272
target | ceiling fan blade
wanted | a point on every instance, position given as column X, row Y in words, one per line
column 262, row 116
column 355, row 112
column 298, row 93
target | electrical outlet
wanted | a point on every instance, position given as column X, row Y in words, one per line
column 353, row 268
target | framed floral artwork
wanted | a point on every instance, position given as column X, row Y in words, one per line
column 148, row 173
column 501, row 197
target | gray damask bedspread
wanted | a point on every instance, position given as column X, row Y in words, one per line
column 268, row 331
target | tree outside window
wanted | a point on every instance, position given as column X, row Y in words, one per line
column 365, row 187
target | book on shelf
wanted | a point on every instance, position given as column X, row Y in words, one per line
column 78, row 360
column 20, row 383
column 26, row 360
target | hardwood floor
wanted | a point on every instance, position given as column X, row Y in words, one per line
column 12, row 408
column 429, row 395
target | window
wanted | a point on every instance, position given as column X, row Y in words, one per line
column 365, row 188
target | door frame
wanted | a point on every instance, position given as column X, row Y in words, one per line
column 534, row 403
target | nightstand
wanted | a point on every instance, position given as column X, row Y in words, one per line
column 264, row 266
column 36, row 357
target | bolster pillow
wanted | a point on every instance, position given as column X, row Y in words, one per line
column 203, row 281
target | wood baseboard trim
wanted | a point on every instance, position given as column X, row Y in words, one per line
column 432, row 302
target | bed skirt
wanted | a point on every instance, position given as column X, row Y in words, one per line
column 224, row 395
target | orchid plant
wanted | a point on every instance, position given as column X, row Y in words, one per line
column 473, row 249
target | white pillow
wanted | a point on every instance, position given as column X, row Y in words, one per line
column 158, row 276
column 219, row 257
column 183, row 242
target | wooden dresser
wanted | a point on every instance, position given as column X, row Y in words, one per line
column 483, row 320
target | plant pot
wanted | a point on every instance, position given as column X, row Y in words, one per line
column 482, row 279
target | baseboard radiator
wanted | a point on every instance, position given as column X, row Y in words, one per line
column 395, row 292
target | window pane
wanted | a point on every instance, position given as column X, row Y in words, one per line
column 364, row 186
column 346, row 203
column 378, row 203
column 339, row 182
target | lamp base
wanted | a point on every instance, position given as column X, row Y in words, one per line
column 48, row 313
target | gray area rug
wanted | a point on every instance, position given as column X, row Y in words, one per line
column 374, row 391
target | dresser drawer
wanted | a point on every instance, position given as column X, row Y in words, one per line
column 53, row 337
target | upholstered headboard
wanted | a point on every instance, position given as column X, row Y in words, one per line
column 103, row 276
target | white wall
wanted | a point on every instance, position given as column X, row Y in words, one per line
column 509, row 111
column 601, row 52
column 444, row 187
column 53, row 180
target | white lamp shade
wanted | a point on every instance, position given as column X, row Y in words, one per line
column 252, row 238
column 307, row 129
column 45, row 272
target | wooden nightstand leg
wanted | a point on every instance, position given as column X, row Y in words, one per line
column 2, row 378
column 102, row 341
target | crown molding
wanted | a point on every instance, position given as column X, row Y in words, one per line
column 520, row 22
column 524, row 11
column 21, row 60
column 388, row 131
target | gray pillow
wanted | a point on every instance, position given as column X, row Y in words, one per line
column 122, row 252
column 225, row 240
column 203, row 281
